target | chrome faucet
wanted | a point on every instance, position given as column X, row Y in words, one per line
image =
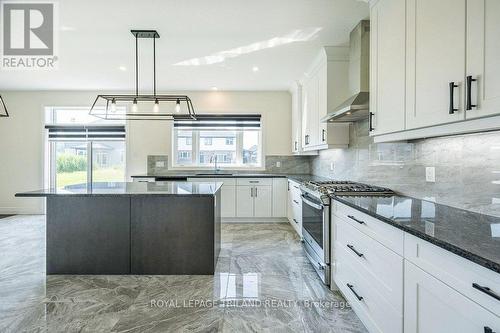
column 213, row 159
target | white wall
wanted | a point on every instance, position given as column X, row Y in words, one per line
column 22, row 135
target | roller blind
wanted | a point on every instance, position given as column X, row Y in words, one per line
column 85, row 132
column 218, row 121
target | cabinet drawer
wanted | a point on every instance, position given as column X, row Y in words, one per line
column 294, row 186
column 254, row 181
column 384, row 267
column 433, row 307
column 375, row 311
column 455, row 271
column 380, row 231
column 226, row 181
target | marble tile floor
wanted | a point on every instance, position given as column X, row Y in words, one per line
column 263, row 283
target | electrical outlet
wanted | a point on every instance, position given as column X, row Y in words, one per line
column 160, row 164
column 331, row 166
column 430, row 174
column 278, row 164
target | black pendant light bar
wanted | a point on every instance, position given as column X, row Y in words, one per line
column 125, row 107
column 3, row 109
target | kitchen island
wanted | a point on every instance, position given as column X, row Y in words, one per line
column 162, row 228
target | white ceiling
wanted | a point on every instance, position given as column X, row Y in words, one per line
column 203, row 43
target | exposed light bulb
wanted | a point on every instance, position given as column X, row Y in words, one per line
column 156, row 107
column 134, row 106
column 113, row 105
column 178, row 106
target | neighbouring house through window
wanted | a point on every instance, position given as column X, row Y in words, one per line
column 236, row 141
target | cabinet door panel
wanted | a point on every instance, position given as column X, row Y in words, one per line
column 280, row 193
column 435, row 57
column 483, row 56
column 263, row 201
column 244, row 201
column 388, row 57
column 228, row 201
column 433, row 307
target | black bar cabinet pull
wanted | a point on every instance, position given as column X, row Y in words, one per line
column 354, row 250
column 323, row 135
column 294, row 220
column 452, row 98
column 296, row 201
column 295, row 145
column 350, row 286
column 488, row 330
column 486, row 290
column 355, row 219
column 469, row 104
column 370, row 121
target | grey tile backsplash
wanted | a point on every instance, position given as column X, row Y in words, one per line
column 467, row 167
column 157, row 164
column 288, row 164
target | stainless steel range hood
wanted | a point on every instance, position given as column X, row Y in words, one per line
column 356, row 107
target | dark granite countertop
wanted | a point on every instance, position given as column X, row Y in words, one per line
column 169, row 188
column 297, row 177
column 473, row 236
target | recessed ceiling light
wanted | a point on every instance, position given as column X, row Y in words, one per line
column 122, row 68
column 255, row 69
column 214, row 88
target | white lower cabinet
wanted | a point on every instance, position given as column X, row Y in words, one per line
column 433, row 307
column 418, row 288
column 228, row 201
column 295, row 206
column 280, row 197
column 244, row 201
column 366, row 271
column 263, row 201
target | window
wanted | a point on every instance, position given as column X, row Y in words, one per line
column 189, row 141
column 82, row 148
column 234, row 140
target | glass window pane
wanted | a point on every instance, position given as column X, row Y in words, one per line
column 75, row 116
column 251, row 147
column 218, row 143
column 70, row 163
column 108, row 161
column 184, row 147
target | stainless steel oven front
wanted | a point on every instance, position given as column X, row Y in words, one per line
column 316, row 233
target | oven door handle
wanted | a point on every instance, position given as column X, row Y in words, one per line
column 310, row 203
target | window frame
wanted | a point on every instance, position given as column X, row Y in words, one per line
column 50, row 163
column 195, row 151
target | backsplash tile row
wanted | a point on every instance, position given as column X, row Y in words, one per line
column 467, row 167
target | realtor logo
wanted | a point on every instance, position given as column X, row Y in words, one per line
column 29, row 39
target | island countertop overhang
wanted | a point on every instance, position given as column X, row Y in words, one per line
column 128, row 189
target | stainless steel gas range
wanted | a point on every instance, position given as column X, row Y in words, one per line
column 316, row 222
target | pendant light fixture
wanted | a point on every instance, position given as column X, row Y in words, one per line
column 143, row 107
column 3, row 108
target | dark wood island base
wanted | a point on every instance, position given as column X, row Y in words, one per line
column 134, row 233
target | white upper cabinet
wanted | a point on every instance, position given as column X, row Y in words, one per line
column 483, row 58
column 324, row 86
column 451, row 71
column 387, row 64
column 435, row 62
column 296, row 92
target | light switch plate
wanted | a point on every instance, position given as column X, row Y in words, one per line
column 160, row 164
column 331, row 166
column 278, row 164
column 430, row 174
